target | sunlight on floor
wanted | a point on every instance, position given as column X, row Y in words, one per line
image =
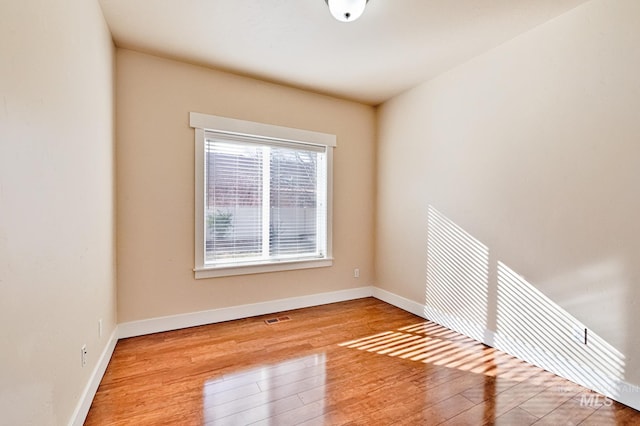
column 430, row 343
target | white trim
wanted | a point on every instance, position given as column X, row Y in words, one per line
column 622, row 391
column 199, row 198
column 259, row 268
column 399, row 302
column 617, row 390
column 329, row 226
column 204, row 125
column 611, row 387
column 174, row 322
column 250, row 128
column 628, row 394
column 86, row 398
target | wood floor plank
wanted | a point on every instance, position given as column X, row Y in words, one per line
column 434, row 413
column 516, row 416
column 295, row 416
column 615, row 413
column 360, row 362
column 571, row 412
column 258, row 413
column 545, row 402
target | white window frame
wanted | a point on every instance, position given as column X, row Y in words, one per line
column 205, row 122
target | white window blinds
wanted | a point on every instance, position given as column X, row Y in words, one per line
column 265, row 200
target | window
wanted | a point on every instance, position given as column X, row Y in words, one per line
column 263, row 197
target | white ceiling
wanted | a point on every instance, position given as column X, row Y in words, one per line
column 395, row 45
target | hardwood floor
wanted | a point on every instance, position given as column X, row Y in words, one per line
column 358, row 362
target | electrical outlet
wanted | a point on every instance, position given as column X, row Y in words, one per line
column 83, row 352
column 356, row 273
column 100, row 327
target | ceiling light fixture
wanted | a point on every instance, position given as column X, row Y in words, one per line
column 346, row 10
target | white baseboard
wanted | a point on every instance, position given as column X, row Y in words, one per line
column 192, row 319
column 399, row 302
column 613, row 388
column 628, row 394
column 174, row 322
column 620, row 391
column 82, row 409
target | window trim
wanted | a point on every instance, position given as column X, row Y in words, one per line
column 231, row 126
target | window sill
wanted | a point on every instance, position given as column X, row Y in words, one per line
column 259, row 268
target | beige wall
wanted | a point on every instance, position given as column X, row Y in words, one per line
column 155, row 181
column 529, row 157
column 57, row 261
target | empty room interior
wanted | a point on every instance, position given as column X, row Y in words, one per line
column 437, row 198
